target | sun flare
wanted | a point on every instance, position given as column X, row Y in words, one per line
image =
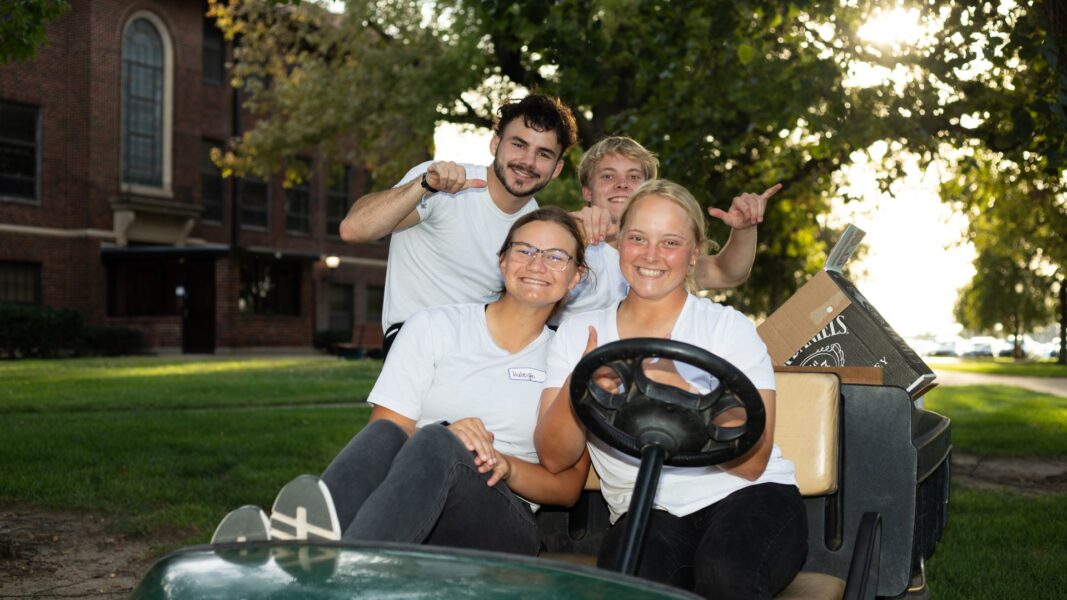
column 898, row 26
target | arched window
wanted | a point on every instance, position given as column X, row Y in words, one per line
column 147, row 65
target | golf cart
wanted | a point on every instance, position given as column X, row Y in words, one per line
column 873, row 470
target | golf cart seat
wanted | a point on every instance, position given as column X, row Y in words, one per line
column 873, row 471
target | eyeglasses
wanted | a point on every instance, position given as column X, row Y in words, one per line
column 554, row 258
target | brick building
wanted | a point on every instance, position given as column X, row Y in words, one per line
column 109, row 204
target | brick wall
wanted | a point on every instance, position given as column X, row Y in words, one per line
column 76, row 81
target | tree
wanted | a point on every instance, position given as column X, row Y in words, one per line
column 22, row 26
column 732, row 95
column 362, row 86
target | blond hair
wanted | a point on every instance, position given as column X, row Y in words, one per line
column 622, row 146
column 677, row 194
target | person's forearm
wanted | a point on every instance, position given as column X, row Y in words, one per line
column 378, row 214
column 537, row 484
column 753, row 463
column 732, row 265
column 559, row 436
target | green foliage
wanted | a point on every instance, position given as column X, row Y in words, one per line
column 326, row 338
column 1016, row 226
column 37, row 331
column 732, row 95
column 363, row 87
column 1002, row 420
column 104, row 340
column 22, row 26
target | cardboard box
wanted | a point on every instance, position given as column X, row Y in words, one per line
column 828, row 323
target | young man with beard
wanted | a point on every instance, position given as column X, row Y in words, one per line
column 609, row 172
column 448, row 220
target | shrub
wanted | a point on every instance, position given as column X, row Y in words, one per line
column 38, row 331
column 326, row 338
column 105, row 340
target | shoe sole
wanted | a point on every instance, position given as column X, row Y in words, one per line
column 245, row 524
column 304, row 510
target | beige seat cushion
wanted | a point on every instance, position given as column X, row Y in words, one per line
column 806, row 427
column 813, row 586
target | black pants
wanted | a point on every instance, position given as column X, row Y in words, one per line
column 424, row 489
column 750, row 544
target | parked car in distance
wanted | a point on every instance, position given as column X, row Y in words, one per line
column 947, row 347
column 979, row 347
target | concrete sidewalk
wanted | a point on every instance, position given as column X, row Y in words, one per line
column 1056, row 386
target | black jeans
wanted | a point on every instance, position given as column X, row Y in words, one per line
column 750, row 544
column 426, row 489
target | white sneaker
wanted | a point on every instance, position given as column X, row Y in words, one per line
column 246, row 524
column 304, row 510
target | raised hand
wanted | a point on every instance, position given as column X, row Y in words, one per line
column 447, row 176
column 595, row 223
column 746, row 210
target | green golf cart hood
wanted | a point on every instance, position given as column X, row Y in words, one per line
column 324, row 570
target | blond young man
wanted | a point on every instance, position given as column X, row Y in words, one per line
column 609, row 172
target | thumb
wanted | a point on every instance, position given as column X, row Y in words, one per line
column 474, row 183
column 590, row 344
column 717, row 213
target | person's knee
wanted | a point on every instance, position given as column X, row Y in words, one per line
column 386, row 429
column 436, row 443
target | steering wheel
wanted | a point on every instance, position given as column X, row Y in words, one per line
column 641, row 412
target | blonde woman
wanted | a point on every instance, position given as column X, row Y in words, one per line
column 736, row 530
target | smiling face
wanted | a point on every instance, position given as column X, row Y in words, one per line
column 613, row 181
column 525, row 159
column 657, row 247
column 530, row 280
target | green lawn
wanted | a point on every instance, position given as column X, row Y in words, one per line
column 1004, row 366
column 172, row 444
column 170, row 383
column 166, row 446
column 1002, row 420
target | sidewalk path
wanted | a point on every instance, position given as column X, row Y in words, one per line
column 1056, row 386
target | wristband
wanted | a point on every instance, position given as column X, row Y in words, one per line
column 426, row 186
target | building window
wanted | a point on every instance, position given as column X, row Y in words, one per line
column 20, row 283
column 143, row 288
column 375, row 300
column 214, row 53
column 147, row 65
column 255, row 203
column 211, row 187
column 298, row 203
column 337, row 204
column 18, row 150
column 341, row 303
column 269, row 287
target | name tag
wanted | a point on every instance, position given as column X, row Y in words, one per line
column 526, row 374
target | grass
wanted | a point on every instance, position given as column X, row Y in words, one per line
column 168, row 383
column 1001, row 545
column 167, row 446
column 1002, row 420
column 170, row 445
column 1004, row 367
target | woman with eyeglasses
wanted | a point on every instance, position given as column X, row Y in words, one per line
column 736, row 530
column 448, row 456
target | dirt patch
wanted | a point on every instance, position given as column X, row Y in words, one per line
column 1026, row 475
column 58, row 554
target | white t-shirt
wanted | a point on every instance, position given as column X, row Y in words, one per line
column 450, row 256
column 682, row 490
column 603, row 285
column 444, row 366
